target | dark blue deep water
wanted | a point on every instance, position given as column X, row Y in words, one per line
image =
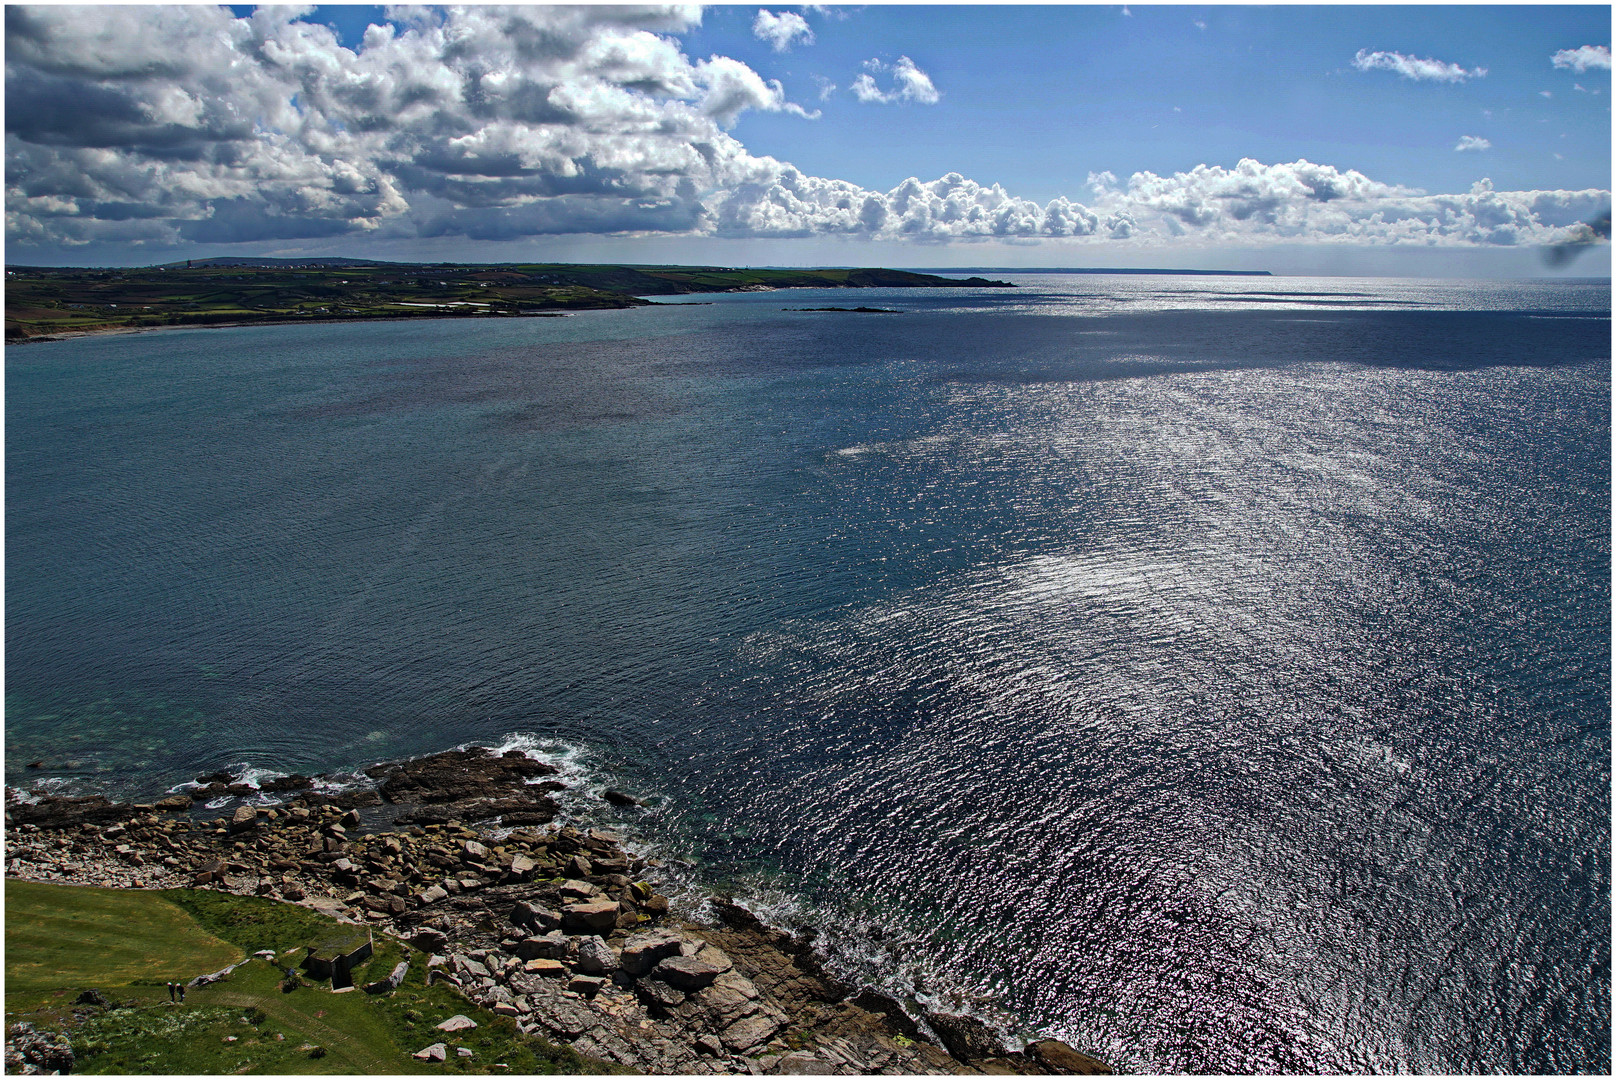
column 1213, row 673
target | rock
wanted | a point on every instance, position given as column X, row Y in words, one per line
column 735, row 915
column 350, row 820
column 457, row 1022
column 93, row 997
column 965, row 1037
column 392, row 982
column 551, row 946
column 435, row 1052
column 642, row 952
column 455, row 776
column 711, row 1045
column 687, row 973
column 595, row 957
column 527, row 913
column 587, row 985
column 579, row 867
column 243, row 819
column 802, row 1063
column 748, row 1032
column 522, row 866
column 471, row 849
column 724, row 1004
column 433, row 894
column 545, row 966
column 174, row 803
column 718, row 958
column 429, row 940
column 599, row 917
column 657, row 992
column 879, row 1003
column 617, row 798
column 1057, row 1057
column 574, row 889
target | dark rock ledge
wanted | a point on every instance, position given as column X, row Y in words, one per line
column 561, row 928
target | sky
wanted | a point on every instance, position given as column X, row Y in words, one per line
column 1425, row 141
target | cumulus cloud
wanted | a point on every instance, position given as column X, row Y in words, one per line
column 783, row 30
column 1584, row 58
column 1473, row 142
column 909, row 83
column 170, row 125
column 1413, row 67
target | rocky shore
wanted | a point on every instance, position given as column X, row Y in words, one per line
column 559, row 927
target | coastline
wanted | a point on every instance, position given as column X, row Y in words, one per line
column 559, row 925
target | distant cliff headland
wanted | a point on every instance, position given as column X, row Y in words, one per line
column 45, row 302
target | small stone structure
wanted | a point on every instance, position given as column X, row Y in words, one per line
column 337, row 966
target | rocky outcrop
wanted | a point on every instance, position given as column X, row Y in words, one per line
column 562, row 929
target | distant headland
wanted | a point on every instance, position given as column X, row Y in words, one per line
column 1098, row 270
column 45, row 303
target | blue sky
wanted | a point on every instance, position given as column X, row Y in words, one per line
column 1387, row 139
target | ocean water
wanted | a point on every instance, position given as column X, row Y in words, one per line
column 1211, row 672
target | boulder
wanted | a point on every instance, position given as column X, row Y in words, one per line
column 595, row 957
column 457, row 1022
column 599, row 917
column 392, row 982
column 718, row 958
column 687, row 973
column 174, row 803
column 749, row 1031
column 243, row 819
column 545, row 966
column 1057, row 1057
column 618, row 798
column 435, row 1052
column 528, row 914
column 429, row 940
column 587, row 985
column 899, row 1018
column 658, row 993
column 965, row 1037
column 642, row 952
column 551, row 947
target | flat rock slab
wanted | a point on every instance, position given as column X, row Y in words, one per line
column 687, row 973
column 598, row 917
column 435, row 1052
column 748, row 1032
column 457, row 1022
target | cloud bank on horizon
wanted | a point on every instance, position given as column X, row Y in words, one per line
column 167, row 126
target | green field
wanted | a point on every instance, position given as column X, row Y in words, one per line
column 62, row 940
column 41, row 301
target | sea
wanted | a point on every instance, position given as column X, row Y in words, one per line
column 1211, row 672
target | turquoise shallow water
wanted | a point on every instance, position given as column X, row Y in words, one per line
column 1211, row 672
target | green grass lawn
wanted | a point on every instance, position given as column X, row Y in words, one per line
column 61, row 940
column 65, row 936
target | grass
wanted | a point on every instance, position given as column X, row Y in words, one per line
column 61, row 936
column 64, row 939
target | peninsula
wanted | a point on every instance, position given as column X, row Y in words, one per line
column 42, row 302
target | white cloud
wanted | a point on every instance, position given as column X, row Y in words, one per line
column 1584, row 58
column 783, row 30
column 909, row 83
column 1545, row 93
column 1412, row 67
column 1473, row 142
column 163, row 126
